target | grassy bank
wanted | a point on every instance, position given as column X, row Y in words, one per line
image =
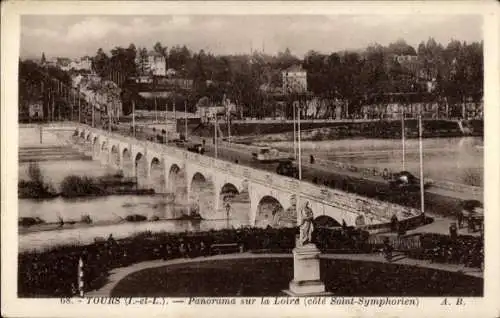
column 341, row 130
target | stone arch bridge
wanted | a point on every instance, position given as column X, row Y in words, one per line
column 196, row 178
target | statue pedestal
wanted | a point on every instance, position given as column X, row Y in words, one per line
column 306, row 275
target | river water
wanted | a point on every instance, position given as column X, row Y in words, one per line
column 458, row 160
column 107, row 213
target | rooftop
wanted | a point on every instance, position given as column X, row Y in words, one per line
column 295, row 68
column 154, row 53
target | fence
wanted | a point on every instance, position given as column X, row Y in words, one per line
column 399, row 243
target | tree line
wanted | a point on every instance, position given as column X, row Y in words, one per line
column 354, row 78
column 456, row 71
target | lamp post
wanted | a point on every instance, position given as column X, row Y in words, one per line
column 93, row 106
column 403, row 135
column 421, row 164
column 299, row 144
column 185, row 121
column 133, row 118
column 294, row 132
column 156, row 112
column 215, row 133
column 79, row 106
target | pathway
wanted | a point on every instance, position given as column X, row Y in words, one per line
column 117, row 274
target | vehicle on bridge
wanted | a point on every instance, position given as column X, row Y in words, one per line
column 198, row 148
column 406, row 182
column 288, row 169
column 270, row 155
column 179, row 143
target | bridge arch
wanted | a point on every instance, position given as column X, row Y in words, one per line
column 127, row 163
column 96, row 147
column 234, row 203
column 268, row 209
column 157, row 175
column 325, row 221
column 177, row 183
column 202, row 194
column 104, row 154
column 141, row 169
column 115, row 156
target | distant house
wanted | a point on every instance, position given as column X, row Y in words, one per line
column 294, row 79
column 171, row 72
column 405, row 58
column 36, row 111
column 83, row 64
column 153, row 63
column 206, row 110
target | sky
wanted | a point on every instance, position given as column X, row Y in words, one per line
column 75, row 36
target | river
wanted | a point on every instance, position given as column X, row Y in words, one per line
column 107, row 213
column 458, row 160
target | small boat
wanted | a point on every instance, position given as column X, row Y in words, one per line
column 190, row 217
column 135, row 218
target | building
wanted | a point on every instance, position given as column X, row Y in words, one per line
column 36, row 111
column 83, row 64
column 153, row 63
column 171, row 72
column 405, row 58
column 294, row 79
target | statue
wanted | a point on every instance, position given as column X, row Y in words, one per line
column 306, row 224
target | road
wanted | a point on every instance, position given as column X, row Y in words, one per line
column 437, row 201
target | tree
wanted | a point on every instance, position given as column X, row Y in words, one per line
column 142, row 54
column 162, row 50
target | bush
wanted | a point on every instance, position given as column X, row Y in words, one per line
column 86, row 219
column 75, row 186
column 472, row 178
column 35, row 187
column 29, row 221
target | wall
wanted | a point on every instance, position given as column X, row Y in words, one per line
column 335, row 130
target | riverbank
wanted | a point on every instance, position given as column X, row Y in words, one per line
column 332, row 130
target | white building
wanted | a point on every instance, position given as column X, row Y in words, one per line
column 294, row 80
column 152, row 64
column 405, row 58
column 82, row 64
column 36, row 111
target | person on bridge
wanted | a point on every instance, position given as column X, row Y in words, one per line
column 311, row 159
column 394, row 223
column 453, row 231
column 460, row 219
column 387, row 250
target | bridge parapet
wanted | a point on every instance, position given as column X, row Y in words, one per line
column 379, row 211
